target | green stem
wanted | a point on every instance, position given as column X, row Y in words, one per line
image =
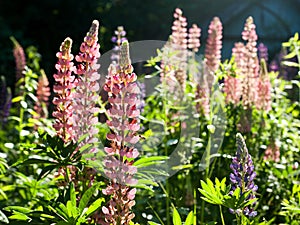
column 221, row 214
column 195, row 207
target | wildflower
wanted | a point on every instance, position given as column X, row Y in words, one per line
column 194, row 38
column 243, row 174
column 118, row 39
column 20, row 58
column 122, row 95
column 251, row 73
column 262, row 52
column 233, row 85
column 63, row 89
column 272, row 152
column 264, row 89
column 42, row 94
column 179, row 44
column 87, row 87
column 214, row 45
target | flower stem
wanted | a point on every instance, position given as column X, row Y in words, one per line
column 221, row 214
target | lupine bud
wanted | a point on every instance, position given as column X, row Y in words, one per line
column 123, row 98
column 243, row 175
column 87, row 88
column 63, row 89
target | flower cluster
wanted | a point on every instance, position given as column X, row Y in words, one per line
column 118, row 39
column 194, row 38
column 214, row 45
column 42, row 95
column 63, row 88
column 262, row 52
column 263, row 89
column 243, row 175
column 272, row 152
column 20, row 58
column 123, row 98
column 87, row 87
column 233, row 85
column 250, row 77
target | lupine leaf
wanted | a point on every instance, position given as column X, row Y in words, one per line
column 176, row 217
column 86, row 197
column 189, row 219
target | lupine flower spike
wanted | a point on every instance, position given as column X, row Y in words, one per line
column 63, row 89
column 20, row 59
column 42, row 94
column 213, row 49
column 249, row 93
column 122, row 95
column 233, row 85
column 262, row 52
column 118, row 39
column 243, row 175
column 264, row 89
column 87, row 88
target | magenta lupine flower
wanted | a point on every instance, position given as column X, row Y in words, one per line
column 42, row 94
column 264, row 89
column 20, row 58
column 122, row 96
column 263, row 52
column 118, row 39
column 214, row 45
column 5, row 101
column 243, row 175
column 63, row 89
column 194, row 38
column 87, row 87
column 233, row 85
column 250, row 78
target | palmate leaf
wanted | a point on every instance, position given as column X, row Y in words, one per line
column 211, row 194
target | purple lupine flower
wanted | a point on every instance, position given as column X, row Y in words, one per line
column 243, row 175
column 63, row 89
column 87, row 87
column 263, row 52
column 122, row 96
column 118, row 39
column 5, row 101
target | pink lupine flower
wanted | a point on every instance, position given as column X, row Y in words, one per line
column 263, row 89
column 42, row 94
column 202, row 100
column 194, row 38
column 233, row 85
column 179, row 44
column 272, row 152
column 249, row 92
column 214, row 45
column 20, row 58
column 63, row 89
column 122, row 96
column 87, row 88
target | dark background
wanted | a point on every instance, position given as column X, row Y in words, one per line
column 46, row 23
